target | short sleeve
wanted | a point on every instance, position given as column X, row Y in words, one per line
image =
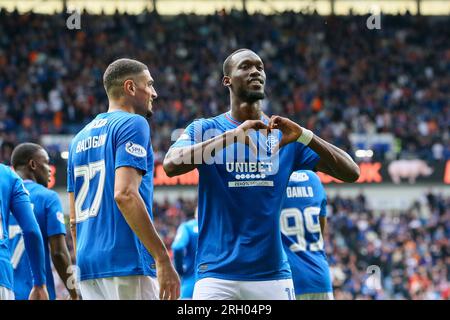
column 55, row 215
column 132, row 141
column 305, row 157
column 191, row 135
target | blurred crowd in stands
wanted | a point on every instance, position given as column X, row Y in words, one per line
column 330, row 74
column 372, row 254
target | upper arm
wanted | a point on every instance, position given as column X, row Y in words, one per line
column 191, row 135
column 21, row 207
column 132, row 144
column 127, row 180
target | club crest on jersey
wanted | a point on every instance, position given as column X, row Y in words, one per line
column 135, row 149
column 272, row 141
column 60, row 217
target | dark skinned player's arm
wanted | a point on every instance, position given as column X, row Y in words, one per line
column 334, row 161
column 61, row 260
column 323, row 225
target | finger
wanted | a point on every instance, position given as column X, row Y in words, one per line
column 274, row 121
column 163, row 293
column 258, row 124
column 173, row 293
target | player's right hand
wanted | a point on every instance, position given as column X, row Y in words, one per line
column 169, row 282
column 241, row 132
column 38, row 293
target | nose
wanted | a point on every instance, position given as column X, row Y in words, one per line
column 254, row 71
column 154, row 94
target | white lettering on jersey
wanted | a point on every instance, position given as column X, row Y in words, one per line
column 91, row 142
column 250, row 167
column 299, row 192
column 135, row 149
column 98, row 123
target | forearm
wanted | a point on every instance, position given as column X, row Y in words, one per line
column 184, row 159
column 62, row 262
column 73, row 233
column 135, row 213
column 34, row 244
column 334, row 161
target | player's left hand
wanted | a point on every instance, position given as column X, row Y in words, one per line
column 38, row 293
column 169, row 282
column 291, row 131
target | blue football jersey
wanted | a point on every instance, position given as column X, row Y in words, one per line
column 49, row 214
column 106, row 245
column 185, row 247
column 302, row 238
column 240, row 196
column 11, row 190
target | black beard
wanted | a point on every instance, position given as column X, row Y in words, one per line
column 251, row 96
column 149, row 114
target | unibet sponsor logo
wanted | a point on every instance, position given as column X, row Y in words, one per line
column 135, row 149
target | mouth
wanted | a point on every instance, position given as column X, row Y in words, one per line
column 256, row 81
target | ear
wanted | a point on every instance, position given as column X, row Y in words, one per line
column 129, row 87
column 226, row 81
column 32, row 164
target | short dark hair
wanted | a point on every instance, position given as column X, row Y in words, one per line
column 23, row 153
column 227, row 63
column 116, row 73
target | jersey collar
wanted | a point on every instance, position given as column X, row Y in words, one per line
column 236, row 123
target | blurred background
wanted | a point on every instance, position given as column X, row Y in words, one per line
column 372, row 77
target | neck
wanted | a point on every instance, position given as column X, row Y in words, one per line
column 242, row 111
column 120, row 104
column 26, row 175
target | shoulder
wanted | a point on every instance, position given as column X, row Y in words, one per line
column 300, row 176
column 47, row 194
column 313, row 177
column 9, row 174
column 191, row 223
column 315, row 181
column 305, row 177
column 131, row 119
column 4, row 170
column 206, row 123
